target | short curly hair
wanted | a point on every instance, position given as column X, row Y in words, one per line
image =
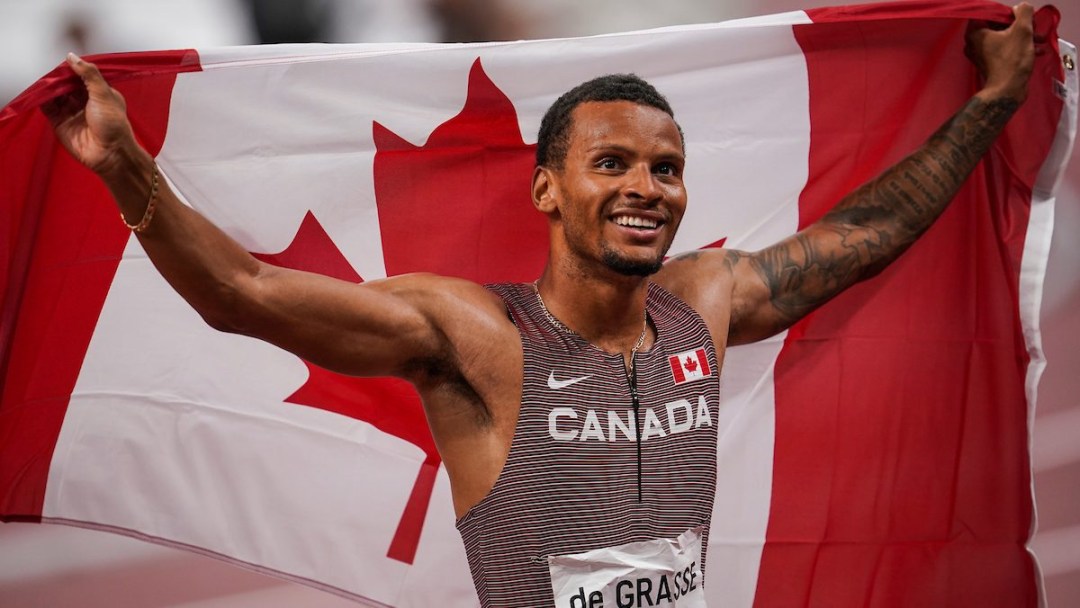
column 554, row 137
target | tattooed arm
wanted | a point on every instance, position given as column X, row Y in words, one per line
column 872, row 226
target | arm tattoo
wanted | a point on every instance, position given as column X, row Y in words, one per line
column 873, row 225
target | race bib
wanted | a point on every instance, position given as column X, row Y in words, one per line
column 647, row 574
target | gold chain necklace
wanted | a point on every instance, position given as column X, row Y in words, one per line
column 559, row 325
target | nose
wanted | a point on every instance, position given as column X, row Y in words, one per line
column 641, row 185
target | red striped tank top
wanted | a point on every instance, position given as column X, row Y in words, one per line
column 574, row 479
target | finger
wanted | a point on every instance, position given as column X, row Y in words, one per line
column 1023, row 10
column 1024, row 15
column 88, row 72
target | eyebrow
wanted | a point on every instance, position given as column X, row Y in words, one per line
column 602, row 147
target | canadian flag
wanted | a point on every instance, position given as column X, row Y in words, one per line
column 875, row 454
column 689, row 365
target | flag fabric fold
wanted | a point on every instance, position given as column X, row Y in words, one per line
column 876, row 454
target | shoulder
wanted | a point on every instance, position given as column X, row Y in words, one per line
column 702, row 278
column 705, row 280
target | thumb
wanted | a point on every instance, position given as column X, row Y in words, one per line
column 1023, row 19
column 1023, row 11
column 101, row 101
column 88, row 72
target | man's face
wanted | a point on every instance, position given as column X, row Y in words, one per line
column 620, row 191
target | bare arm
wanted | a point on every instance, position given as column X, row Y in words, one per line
column 775, row 287
column 389, row 327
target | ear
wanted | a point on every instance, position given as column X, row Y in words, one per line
column 543, row 190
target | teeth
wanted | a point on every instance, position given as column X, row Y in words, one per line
column 636, row 222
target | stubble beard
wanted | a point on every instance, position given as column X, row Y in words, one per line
column 628, row 267
column 612, row 258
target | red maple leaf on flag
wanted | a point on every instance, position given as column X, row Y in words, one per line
column 458, row 206
column 389, row 404
column 690, row 365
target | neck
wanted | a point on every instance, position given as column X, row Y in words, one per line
column 607, row 311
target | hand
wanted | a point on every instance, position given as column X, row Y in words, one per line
column 1005, row 57
column 92, row 123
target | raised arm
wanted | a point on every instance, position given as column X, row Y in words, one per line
column 775, row 287
column 391, row 327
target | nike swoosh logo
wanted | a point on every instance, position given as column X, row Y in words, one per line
column 557, row 384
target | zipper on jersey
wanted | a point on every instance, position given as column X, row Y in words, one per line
column 632, row 379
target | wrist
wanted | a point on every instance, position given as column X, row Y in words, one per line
column 1002, row 94
column 128, row 163
column 131, row 175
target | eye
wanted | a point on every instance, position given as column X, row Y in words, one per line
column 667, row 169
column 609, row 163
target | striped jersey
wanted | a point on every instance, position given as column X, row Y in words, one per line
column 575, row 479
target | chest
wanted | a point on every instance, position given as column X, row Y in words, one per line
column 583, row 406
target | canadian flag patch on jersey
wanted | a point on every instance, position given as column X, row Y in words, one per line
column 689, row 365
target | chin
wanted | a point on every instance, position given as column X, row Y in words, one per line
column 631, row 267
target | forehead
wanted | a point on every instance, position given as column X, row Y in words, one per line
column 598, row 124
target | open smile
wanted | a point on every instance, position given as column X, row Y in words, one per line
column 636, row 222
column 639, row 222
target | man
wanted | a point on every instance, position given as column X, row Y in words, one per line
column 577, row 414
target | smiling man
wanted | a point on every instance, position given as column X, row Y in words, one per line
column 576, row 415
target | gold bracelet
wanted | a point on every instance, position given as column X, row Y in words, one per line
column 150, row 204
